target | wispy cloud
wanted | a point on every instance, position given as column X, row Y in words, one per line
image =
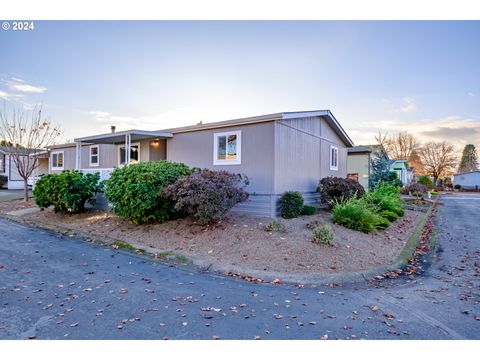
column 471, row 94
column 9, row 96
column 28, row 88
column 17, row 79
column 454, row 129
column 409, row 105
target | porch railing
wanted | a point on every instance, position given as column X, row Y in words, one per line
column 104, row 172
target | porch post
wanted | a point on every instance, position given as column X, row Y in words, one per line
column 127, row 149
column 78, row 156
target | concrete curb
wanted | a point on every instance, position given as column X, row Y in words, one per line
column 266, row 276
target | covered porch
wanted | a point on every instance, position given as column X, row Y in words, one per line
column 115, row 149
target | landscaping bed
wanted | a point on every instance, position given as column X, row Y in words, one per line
column 241, row 242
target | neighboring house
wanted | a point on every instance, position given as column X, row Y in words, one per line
column 8, row 168
column 401, row 168
column 278, row 152
column 468, row 180
column 358, row 165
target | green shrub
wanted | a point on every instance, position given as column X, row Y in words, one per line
column 67, row 191
column 323, row 234
column 457, row 186
column 389, row 215
column 207, row 195
column 309, row 210
column 334, row 189
column 358, row 214
column 275, row 226
column 291, row 204
column 136, row 191
column 3, row 180
column 386, row 197
column 434, row 192
column 425, row 180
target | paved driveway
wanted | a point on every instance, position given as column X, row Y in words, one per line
column 55, row 287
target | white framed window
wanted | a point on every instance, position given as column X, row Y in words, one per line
column 333, row 157
column 94, row 155
column 134, row 154
column 227, row 148
column 57, row 160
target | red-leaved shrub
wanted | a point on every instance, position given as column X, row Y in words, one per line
column 207, row 195
column 335, row 189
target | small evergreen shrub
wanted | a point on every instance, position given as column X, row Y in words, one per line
column 334, row 189
column 291, row 204
column 67, row 191
column 207, row 195
column 275, row 226
column 323, row 234
column 358, row 214
column 457, row 186
column 136, row 191
column 425, row 180
column 3, row 180
column 309, row 210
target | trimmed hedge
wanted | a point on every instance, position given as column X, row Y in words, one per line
column 207, row 195
column 67, row 191
column 136, row 191
column 291, row 204
column 335, row 189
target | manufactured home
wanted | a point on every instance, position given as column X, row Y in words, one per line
column 8, row 169
column 278, row 152
column 359, row 165
column 468, row 180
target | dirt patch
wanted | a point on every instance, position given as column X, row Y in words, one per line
column 242, row 242
column 13, row 205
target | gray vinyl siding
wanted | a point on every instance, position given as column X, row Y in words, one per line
column 158, row 151
column 302, row 154
column 257, row 155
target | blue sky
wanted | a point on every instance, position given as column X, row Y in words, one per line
column 422, row 77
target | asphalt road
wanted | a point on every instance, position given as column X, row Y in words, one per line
column 54, row 287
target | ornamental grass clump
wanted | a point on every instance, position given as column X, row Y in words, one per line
column 358, row 214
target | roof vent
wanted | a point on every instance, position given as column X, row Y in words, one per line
column 113, row 128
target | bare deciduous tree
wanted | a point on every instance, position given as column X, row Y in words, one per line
column 438, row 158
column 399, row 146
column 24, row 134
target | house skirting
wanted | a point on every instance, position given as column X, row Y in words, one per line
column 268, row 205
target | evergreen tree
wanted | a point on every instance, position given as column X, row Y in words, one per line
column 469, row 160
column 378, row 165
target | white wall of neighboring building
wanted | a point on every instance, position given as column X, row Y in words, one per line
column 467, row 180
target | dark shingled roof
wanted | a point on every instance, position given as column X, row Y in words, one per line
column 359, row 150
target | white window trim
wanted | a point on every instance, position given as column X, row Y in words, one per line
column 63, row 160
column 238, row 160
column 333, row 167
column 90, row 155
column 122, row 146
